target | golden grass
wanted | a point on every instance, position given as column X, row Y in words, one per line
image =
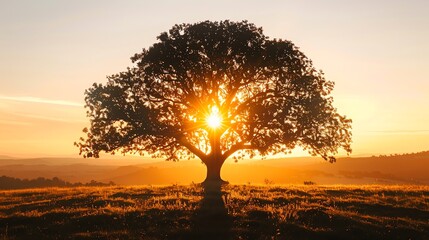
column 251, row 211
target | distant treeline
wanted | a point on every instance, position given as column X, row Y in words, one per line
column 16, row 183
column 417, row 154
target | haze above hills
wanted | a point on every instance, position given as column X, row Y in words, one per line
column 394, row 169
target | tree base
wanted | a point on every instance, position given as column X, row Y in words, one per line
column 214, row 183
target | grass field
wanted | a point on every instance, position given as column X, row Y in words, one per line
column 238, row 212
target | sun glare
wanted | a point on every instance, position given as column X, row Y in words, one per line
column 214, row 120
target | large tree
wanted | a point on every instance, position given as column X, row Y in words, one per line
column 215, row 90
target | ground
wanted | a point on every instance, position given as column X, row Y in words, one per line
column 237, row 212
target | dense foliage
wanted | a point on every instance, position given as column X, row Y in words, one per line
column 268, row 94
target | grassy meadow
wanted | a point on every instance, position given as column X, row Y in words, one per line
column 235, row 212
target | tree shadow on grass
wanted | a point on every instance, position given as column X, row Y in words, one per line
column 211, row 220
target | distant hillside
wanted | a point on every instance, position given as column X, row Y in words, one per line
column 106, row 161
column 16, row 183
column 405, row 168
column 394, row 169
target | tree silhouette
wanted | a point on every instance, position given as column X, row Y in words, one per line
column 215, row 90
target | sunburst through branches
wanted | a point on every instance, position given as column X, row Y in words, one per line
column 214, row 120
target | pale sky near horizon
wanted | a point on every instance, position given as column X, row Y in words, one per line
column 377, row 53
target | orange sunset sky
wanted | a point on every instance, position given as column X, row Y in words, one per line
column 377, row 53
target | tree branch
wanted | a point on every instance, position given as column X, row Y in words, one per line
column 260, row 96
column 236, row 147
column 193, row 149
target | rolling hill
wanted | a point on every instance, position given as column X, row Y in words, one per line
column 394, row 169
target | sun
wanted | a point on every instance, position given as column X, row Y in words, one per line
column 214, row 120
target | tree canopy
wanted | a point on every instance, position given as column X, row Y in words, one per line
column 263, row 97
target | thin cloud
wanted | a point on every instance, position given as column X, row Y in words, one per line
column 41, row 100
column 5, row 122
column 54, row 119
column 401, row 131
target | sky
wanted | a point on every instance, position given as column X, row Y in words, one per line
column 376, row 52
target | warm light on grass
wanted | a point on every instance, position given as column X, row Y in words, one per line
column 214, row 120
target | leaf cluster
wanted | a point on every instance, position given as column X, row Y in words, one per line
column 270, row 96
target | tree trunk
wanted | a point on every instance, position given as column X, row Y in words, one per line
column 213, row 172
